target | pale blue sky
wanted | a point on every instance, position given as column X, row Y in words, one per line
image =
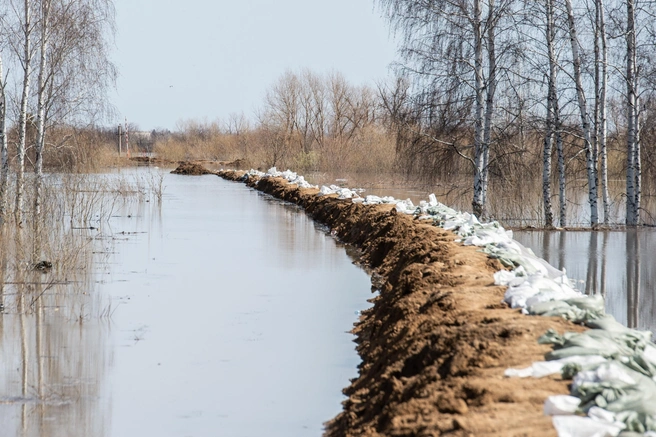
column 204, row 59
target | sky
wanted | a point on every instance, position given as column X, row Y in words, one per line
column 205, row 59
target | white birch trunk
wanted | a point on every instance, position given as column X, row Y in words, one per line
column 41, row 104
column 4, row 152
column 585, row 124
column 489, row 100
column 22, row 115
column 477, row 202
column 549, row 134
column 631, row 131
column 637, row 163
column 546, row 173
column 603, row 117
column 562, row 194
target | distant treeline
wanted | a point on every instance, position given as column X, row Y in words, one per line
column 311, row 122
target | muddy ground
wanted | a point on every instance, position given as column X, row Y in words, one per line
column 191, row 169
column 437, row 340
column 185, row 166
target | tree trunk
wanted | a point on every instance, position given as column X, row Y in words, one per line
column 631, row 130
column 585, row 124
column 602, row 129
column 477, row 202
column 41, row 105
column 4, row 153
column 637, row 162
column 489, row 99
column 549, row 134
column 22, row 115
column 546, row 173
column 562, row 194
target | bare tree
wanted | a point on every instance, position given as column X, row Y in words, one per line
column 4, row 152
column 633, row 151
column 552, row 95
column 282, row 109
column 79, row 72
column 600, row 112
column 25, row 23
column 583, row 112
column 44, row 18
column 553, row 123
column 65, row 43
column 452, row 44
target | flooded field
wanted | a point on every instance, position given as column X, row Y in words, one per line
column 511, row 206
column 620, row 265
column 218, row 310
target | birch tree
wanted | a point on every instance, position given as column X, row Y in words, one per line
column 63, row 42
column 76, row 72
column 552, row 96
column 45, row 6
column 4, row 152
column 25, row 59
column 483, row 155
column 562, row 195
column 633, row 151
column 583, row 112
column 601, row 88
column 453, row 44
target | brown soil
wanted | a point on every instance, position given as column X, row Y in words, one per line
column 436, row 342
column 191, row 169
column 148, row 160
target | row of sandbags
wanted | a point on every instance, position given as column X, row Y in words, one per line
column 612, row 367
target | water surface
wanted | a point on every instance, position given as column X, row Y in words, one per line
column 229, row 316
column 621, row 265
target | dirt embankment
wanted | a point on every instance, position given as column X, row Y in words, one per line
column 191, row 169
column 436, row 342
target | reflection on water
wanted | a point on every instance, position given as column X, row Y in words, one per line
column 619, row 265
column 54, row 357
column 511, row 206
column 229, row 316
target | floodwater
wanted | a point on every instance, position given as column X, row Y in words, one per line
column 217, row 312
column 621, row 265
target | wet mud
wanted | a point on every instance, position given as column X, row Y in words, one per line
column 183, row 166
column 437, row 340
column 191, row 169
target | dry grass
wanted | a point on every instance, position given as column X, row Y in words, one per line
column 71, row 228
column 515, row 191
column 370, row 151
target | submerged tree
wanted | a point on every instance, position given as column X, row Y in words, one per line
column 457, row 54
column 452, row 45
column 45, row 23
column 600, row 111
column 552, row 123
column 74, row 70
column 633, row 176
column 4, row 152
column 583, row 112
column 23, row 48
column 65, row 43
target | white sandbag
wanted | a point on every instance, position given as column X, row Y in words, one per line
column 561, row 405
column 540, row 369
column 577, row 426
column 604, row 416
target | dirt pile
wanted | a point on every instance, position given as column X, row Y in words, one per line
column 436, row 342
column 191, row 169
column 149, row 160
